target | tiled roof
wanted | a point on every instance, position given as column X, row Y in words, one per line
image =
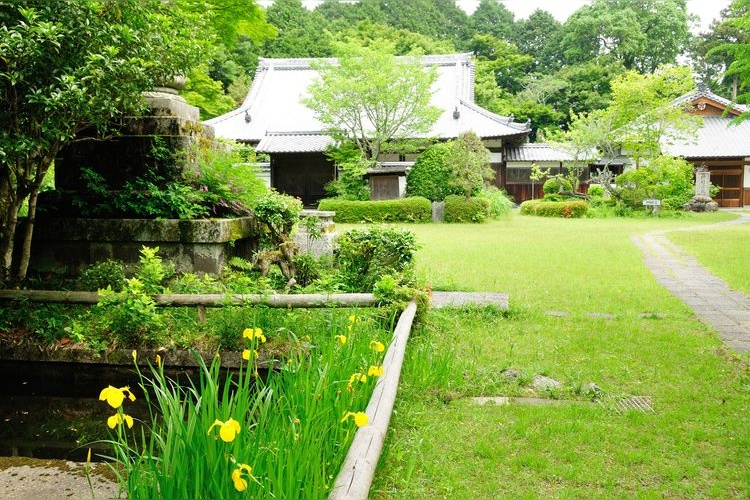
column 273, row 102
column 719, row 137
column 535, row 152
column 294, row 142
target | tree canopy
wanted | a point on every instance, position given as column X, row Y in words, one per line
column 67, row 65
column 372, row 97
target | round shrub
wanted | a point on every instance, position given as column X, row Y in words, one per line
column 459, row 209
column 556, row 185
column 430, row 176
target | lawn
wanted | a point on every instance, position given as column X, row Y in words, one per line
column 730, row 261
column 441, row 445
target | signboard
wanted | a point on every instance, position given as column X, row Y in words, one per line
column 651, row 203
column 702, row 183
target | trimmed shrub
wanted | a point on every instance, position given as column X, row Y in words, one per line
column 556, row 185
column 568, row 209
column 459, row 209
column 430, row 176
column 416, row 209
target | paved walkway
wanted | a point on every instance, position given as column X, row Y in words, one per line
column 710, row 298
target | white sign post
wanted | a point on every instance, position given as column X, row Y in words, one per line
column 654, row 204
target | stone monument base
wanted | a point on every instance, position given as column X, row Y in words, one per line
column 68, row 246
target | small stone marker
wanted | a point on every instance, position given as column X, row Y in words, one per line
column 702, row 183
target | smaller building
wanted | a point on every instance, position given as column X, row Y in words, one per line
column 722, row 145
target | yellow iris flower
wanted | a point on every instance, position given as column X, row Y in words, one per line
column 352, row 318
column 227, row 430
column 360, row 418
column 247, row 354
column 254, row 333
column 375, row 371
column 240, row 483
column 377, row 346
column 115, row 396
column 117, row 419
column 341, row 339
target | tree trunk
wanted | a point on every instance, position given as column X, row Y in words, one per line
column 7, row 240
column 23, row 264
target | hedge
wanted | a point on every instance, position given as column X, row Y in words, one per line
column 459, row 209
column 567, row 209
column 415, row 209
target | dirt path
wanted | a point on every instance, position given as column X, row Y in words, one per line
column 726, row 310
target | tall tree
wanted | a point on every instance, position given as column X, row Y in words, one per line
column 738, row 51
column 301, row 33
column 539, row 37
column 470, row 163
column 404, row 42
column 67, row 65
column 230, row 22
column 642, row 112
column 642, row 34
column 372, row 97
column 493, row 18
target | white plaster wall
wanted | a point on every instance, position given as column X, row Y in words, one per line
column 747, row 176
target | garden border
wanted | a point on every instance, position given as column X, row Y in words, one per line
column 356, row 474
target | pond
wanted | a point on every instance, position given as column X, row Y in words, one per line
column 51, row 410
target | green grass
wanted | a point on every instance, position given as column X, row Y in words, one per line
column 442, row 446
column 722, row 250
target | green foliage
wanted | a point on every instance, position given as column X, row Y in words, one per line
column 667, row 179
column 556, row 185
column 217, row 186
column 130, row 315
column 350, row 184
column 470, row 163
column 461, row 209
column 365, row 256
column 643, row 34
column 369, row 81
column 279, row 212
column 500, row 203
column 71, row 64
column 207, row 94
column 430, row 176
column 567, row 209
column 596, row 191
column 302, row 411
column 308, row 267
column 413, row 209
column 106, row 274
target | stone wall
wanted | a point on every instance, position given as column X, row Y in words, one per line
column 67, row 246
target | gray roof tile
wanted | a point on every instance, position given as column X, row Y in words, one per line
column 273, row 102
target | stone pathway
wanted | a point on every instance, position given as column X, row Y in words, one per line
column 726, row 310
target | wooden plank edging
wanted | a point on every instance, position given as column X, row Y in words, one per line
column 357, row 472
column 206, row 300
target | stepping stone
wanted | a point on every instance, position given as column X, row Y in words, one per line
column 505, row 400
column 460, row 299
column 557, row 314
column 601, row 316
column 542, row 383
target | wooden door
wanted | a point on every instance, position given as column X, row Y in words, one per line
column 730, row 182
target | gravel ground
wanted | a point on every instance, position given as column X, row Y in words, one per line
column 34, row 479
